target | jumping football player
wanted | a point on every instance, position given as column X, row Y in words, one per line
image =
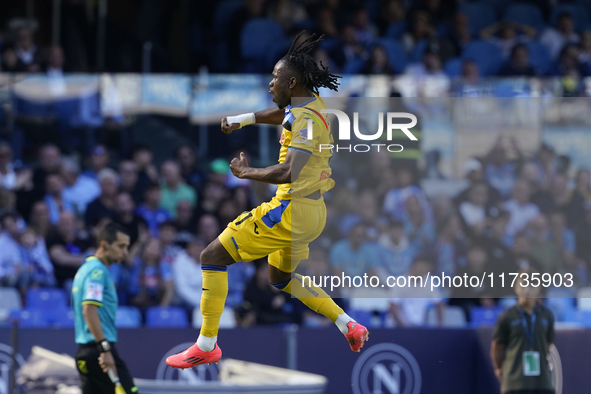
column 282, row 228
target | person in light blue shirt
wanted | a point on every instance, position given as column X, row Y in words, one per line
column 94, row 300
column 354, row 256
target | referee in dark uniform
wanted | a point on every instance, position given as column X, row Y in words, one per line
column 94, row 300
column 521, row 342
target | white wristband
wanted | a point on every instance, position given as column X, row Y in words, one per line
column 243, row 120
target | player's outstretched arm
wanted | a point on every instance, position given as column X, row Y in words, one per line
column 277, row 174
column 272, row 116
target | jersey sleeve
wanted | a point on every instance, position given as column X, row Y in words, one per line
column 302, row 139
column 94, row 287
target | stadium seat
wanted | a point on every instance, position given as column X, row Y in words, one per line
column 396, row 53
column 487, row 55
column 584, row 298
column 498, row 6
column 46, row 298
column 481, row 316
column 353, row 66
column 62, row 318
column 223, row 12
column 227, row 320
column 579, row 14
column 539, row 58
column 453, row 67
column 481, row 15
column 128, row 317
column 170, row 317
column 525, row 13
column 453, row 316
column 31, row 317
column 396, row 30
column 10, row 298
column 578, row 316
column 256, row 36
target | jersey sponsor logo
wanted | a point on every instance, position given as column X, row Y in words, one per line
column 324, row 175
column 303, row 137
column 199, row 374
column 282, row 138
column 386, row 368
column 97, row 274
column 94, row 291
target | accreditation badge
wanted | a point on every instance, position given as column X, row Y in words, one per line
column 531, row 363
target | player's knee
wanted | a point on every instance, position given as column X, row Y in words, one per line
column 215, row 254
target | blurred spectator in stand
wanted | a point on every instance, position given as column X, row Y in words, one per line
column 395, row 199
column 378, row 63
column 104, row 206
column 208, row 228
column 580, row 198
column 11, row 178
column 522, row 251
column 150, row 210
column 497, row 244
column 459, row 37
column 36, row 260
column 563, row 237
column 142, row 156
column 185, row 223
column 242, row 196
column 557, row 198
column 348, row 48
column 173, row 188
column 378, row 174
column 322, row 57
column 213, row 195
column 12, row 267
column 473, row 211
column 228, row 211
column 474, row 173
column 168, row 232
column 449, row 245
column 477, row 263
column 568, row 64
column 251, row 9
column 354, row 255
column 520, row 207
column 40, row 219
column 271, row 306
column 365, row 31
column 99, row 160
column 128, row 174
column 185, row 157
column 151, row 282
column 420, row 29
column 418, row 224
column 504, row 34
column 439, row 10
column 518, row 65
column 239, row 274
column 500, row 172
column 410, row 306
column 287, row 13
column 544, row 249
column 9, row 61
column 470, row 73
column 186, row 274
column 366, row 211
column 55, row 199
column 398, row 249
column 133, row 223
column 49, row 163
column 8, row 205
column 79, row 189
column 391, row 11
column 54, row 66
column 26, row 49
column 585, row 48
column 67, row 247
column 430, row 65
column 556, row 38
column 325, row 22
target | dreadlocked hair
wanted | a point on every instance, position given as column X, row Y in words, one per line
column 313, row 76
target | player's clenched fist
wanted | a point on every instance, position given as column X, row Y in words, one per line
column 228, row 128
column 238, row 165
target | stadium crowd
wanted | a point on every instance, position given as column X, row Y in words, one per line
column 514, row 214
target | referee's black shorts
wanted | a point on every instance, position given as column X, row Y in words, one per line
column 94, row 380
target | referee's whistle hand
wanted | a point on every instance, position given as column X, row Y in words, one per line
column 107, row 362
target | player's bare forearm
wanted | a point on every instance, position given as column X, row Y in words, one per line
column 90, row 313
column 277, row 174
column 497, row 353
column 272, row 116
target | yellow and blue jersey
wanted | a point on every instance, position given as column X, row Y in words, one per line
column 316, row 173
column 93, row 285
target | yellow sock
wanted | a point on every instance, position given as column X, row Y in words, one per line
column 213, row 298
column 312, row 296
